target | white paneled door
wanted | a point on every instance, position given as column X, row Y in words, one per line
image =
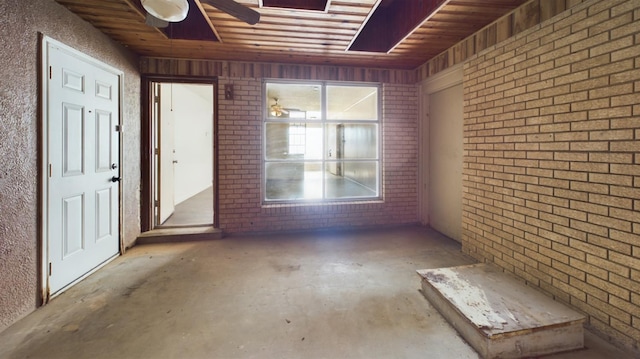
column 82, row 117
column 166, row 156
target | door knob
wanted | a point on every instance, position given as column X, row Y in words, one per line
column 115, row 179
column 114, row 166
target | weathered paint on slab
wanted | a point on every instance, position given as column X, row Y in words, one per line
column 500, row 316
column 496, row 302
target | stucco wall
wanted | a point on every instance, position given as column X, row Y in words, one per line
column 22, row 21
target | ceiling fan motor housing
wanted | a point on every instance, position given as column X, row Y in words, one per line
column 167, row 10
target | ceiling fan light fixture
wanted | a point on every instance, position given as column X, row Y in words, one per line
column 167, row 10
column 276, row 109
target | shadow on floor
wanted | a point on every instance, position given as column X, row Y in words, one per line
column 313, row 295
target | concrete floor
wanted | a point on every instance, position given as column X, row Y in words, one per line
column 312, row 295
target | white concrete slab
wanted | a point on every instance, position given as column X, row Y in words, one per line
column 499, row 315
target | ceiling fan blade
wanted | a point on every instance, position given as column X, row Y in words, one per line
column 236, row 10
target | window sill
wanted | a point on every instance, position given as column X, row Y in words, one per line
column 322, row 203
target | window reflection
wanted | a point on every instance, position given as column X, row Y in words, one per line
column 316, row 151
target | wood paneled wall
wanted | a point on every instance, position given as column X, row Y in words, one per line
column 230, row 69
column 525, row 17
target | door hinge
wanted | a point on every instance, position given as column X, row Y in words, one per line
column 118, row 128
column 155, row 203
column 50, row 268
column 50, row 72
column 156, row 99
column 155, row 151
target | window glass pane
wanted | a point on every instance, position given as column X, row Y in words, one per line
column 293, row 181
column 352, row 103
column 352, row 141
column 321, row 142
column 293, row 141
column 346, row 179
column 299, row 101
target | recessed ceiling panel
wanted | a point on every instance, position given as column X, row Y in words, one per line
column 315, row 5
column 391, row 22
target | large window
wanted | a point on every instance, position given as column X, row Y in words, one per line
column 321, row 142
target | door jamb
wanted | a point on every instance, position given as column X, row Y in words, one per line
column 43, row 159
column 147, row 151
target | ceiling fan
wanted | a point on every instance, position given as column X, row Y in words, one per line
column 162, row 12
column 276, row 110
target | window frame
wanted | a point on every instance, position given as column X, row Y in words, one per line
column 323, row 121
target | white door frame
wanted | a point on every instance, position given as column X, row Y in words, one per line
column 45, row 41
column 440, row 81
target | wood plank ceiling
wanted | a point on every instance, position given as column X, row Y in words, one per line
column 287, row 35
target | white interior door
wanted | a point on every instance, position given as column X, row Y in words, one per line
column 167, row 160
column 82, row 151
column 446, row 160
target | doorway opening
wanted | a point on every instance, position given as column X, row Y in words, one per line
column 180, row 161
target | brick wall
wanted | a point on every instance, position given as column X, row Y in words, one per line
column 240, row 156
column 552, row 163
